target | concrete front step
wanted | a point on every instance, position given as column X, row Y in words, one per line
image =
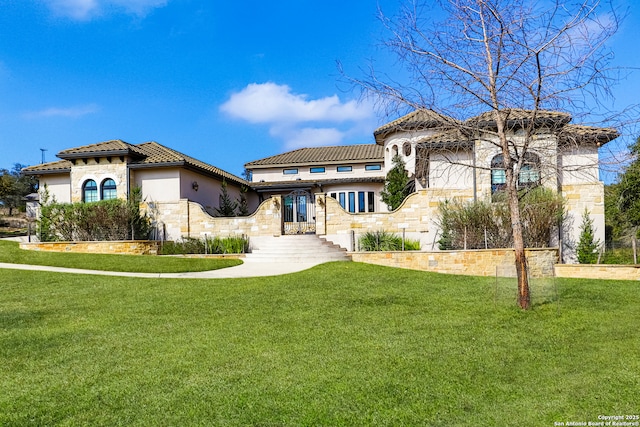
column 299, row 248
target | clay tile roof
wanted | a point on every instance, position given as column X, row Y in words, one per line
column 114, row 147
column 323, row 155
column 446, row 139
column 158, row 155
column 587, row 134
column 61, row 166
column 517, row 116
column 416, row 120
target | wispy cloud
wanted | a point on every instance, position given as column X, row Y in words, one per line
column 296, row 119
column 68, row 112
column 84, row 10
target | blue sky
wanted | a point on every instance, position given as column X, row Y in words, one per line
column 225, row 82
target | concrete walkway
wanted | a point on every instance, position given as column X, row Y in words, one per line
column 249, row 268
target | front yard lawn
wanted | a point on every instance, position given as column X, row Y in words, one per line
column 11, row 253
column 341, row 344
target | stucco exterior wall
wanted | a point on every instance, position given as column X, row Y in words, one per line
column 304, row 172
column 58, row 187
column 579, row 164
column 158, row 185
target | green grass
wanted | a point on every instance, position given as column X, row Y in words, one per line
column 617, row 256
column 342, row 344
column 11, row 253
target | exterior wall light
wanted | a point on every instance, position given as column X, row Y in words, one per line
column 194, row 185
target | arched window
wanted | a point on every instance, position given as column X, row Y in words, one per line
column 406, row 149
column 89, row 191
column 529, row 173
column 108, row 189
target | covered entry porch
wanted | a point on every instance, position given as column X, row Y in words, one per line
column 298, row 214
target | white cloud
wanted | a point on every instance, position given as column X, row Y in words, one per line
column 69, row 112
column 298, row 120
column 84, row 10
column 309, row 137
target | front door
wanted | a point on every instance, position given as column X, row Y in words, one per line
column 299, row 216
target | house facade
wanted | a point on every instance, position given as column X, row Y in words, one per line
column 335, row 191
column 353, row 175
column 110, row 169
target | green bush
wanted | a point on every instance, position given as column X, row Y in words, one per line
column 588, row 245
column 385, row 241
column 207, row 245
column 114, row 219
column 479, row 225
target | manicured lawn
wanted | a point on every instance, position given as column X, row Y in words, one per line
column 340, row 344
column 11, row 253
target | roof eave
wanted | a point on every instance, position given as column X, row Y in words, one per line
column 88, row 154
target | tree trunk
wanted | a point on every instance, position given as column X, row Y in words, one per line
column 522, row 270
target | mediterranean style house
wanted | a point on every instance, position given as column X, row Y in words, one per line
column 335, row 191
column 110, row 169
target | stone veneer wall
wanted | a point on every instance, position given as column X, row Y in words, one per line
column 415, row 216
column 130, row 247
column 598, row 271
column 481, row 262
column 189, row 219
column 578, row 197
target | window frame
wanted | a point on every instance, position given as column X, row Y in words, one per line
column 530, row 168
column 373, row 167
column 93, row 191
column 111, row 188
column 317, row 169
column 344, row 168
column 290, row 171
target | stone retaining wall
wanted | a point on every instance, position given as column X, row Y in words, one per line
column 189, row 219
column 481, row 262
column 598, row 271
column 415, row 217
column 131, row 247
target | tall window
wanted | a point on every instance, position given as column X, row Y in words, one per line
column 361, row 204
column 498, row 174
column 352, row 201
column 108, row 189
column 89, row 191
column 530, row 171
column 341, row 199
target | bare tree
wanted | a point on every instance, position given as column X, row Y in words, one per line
column 510, row 65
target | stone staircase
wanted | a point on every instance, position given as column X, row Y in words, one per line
column 295, row 248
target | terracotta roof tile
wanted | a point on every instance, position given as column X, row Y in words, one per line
column 148, row 154
column 587, row 134
column 61, row 166
column 416, row 120
column 159, row 155
column 323, row 155
column 517, row 115
column 113, row 147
